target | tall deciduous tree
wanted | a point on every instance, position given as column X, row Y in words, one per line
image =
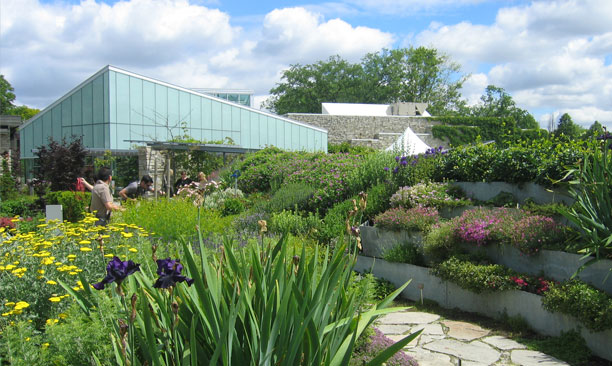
column 402, row 75
column 567, row 128
column 6, row 95
column 496, row 102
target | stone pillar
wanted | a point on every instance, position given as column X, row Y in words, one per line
column 151, row 162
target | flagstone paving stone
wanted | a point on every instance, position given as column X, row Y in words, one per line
column 445, row 342
column 474, row 351
column 503, row 343
column 535, row 358
column 464, row 331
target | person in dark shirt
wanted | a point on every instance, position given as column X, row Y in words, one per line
column 184, row 180
column 137, row 189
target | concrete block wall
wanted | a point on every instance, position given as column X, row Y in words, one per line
column 378, row 132
column 153, row 163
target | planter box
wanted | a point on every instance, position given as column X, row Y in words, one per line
column 485, row 191
column 376, row 241
column 512, row 303
column 554, row 264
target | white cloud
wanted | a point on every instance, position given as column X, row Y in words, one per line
column 409, row 7
column 550, row 55
column 53, row 47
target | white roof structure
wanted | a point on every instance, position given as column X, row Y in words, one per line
column 409, row 144
column 354, row 109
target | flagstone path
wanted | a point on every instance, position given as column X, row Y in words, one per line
column 445, row 342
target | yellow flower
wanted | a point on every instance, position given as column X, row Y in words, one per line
column 133, row 250
column 55, row 299
column 27, row 339
column 126, row 235
column 47, row 261
column 10, row 303
column 109, row 255
column 44, row 345
column 62, row 315
column 51, row 282
column 85, row 249
column 85, row 242
column 21, row 305
column 52, row 321
column 41, row 225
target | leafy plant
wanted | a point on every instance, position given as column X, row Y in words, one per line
column 427, row 194
column 24, row 206
column 290, row 196
column 475, row 277
column 60, row 163
column 232, row 206
column 591, row 306
column 288, row 221
column 404, row 253
column 592, row 212
column 8, row 186
column 246, row 306
column 73, row 203
column 418, row 218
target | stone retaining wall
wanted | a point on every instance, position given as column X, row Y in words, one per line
column 378, row 132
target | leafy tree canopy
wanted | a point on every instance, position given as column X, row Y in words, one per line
column 496, row 102
column 595, row 130
column 402, row 75
column 6, row 95
column 567, row 128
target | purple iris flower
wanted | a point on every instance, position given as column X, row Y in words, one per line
column 404, row 163
column 386, row 169
column 605, row 136
column 395, row 170
column 403, row 158
column 117, row 271
column 169, row 272
column 397, row 158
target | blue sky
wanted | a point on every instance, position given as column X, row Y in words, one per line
column 552, row 56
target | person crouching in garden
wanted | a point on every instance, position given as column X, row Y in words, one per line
column 101, row 199
column 137, row 189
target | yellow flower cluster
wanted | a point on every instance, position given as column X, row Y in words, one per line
column 33, row 263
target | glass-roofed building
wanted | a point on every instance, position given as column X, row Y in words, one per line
column 115, row 108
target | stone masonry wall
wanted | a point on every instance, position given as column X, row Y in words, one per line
column 378, row 132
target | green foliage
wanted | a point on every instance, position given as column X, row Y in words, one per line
column 370, row 172
column 592, row 212
column 569, row 347
column 378, row 200
column 488, row 128
column 266, row 306
column 6, row 95
column 401, row 75
column 497, row 103
column 590, row 306
column 8, row 186
column 567, row 129
column 171, row 219
column 439, row 243
column 411, row 219
column 24, row 206
column 60, row 163
column 502, row 199
column 456, row 135
column 348, row 148
column 477, row 278
column 288, row 221
column 334, row 222
column 289, row 196
column 232, row 206
column 429, row 194
column 404, row 253
column 73, row 203
column 23, row 111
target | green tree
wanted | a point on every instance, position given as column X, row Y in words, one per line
column 24, row 111
column 6, row 95
column 567, row 128
column 496, row 102
column 595, row 130
column 7, row 182
column 402, row 75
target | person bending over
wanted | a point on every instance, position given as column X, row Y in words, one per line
column 137, row 189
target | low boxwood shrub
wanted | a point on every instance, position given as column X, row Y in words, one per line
column 74, row 204
column 477, row 278
column 232, row 206
column 418, row 218
column 439, row 242
column 589, row 305
column 293, row 223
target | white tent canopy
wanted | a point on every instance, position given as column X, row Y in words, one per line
column 409, row 144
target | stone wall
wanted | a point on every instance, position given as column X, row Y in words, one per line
column 378, row 132
column 151, row 162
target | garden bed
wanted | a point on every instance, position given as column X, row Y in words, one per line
column 511, row 302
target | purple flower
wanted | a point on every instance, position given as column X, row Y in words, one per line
column 169, row 272
column 386, row 169
column 605, row 136
column 395, row 170
column 404, row 163
column 117, row 271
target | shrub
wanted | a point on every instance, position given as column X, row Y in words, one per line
column 503, row 199
column 248, row 223
column 347, row 147
column 290, row 196
column 439, row 243
column 411, row 170
column 60, row 163
column 8, row 186
column 24, row 206
column 477, row 278
column 418, row 218
column 404, row 253
column 288, row 221
column 334, row 222
column 427, row 194
column 232, row 206
column 591, row 306
column 370, row 172
column 74, row 204
column 378, row 200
